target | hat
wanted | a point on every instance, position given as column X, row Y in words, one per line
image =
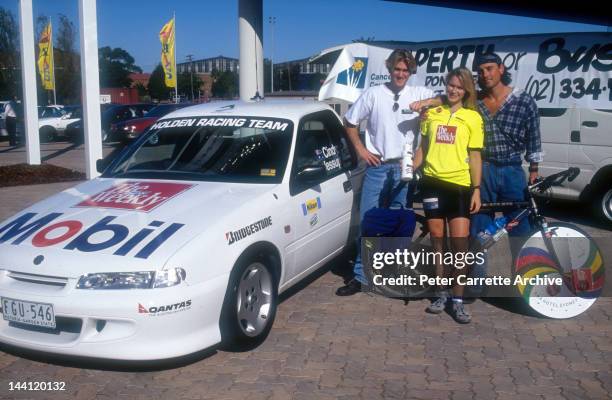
column 488, row 57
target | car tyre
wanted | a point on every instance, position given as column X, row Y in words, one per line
column 47, row 134
column 250, row 304
column 603, row 204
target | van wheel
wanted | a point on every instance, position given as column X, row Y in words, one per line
column 249, row 307
column 47, row 134
column 603, row 204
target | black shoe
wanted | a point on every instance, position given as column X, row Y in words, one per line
column 354, row 286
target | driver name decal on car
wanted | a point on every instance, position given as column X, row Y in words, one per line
column 22, row 228
column 329, row 156
column 234, row 236
column 135, row 195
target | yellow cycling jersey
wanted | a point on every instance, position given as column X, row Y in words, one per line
column 447, row 137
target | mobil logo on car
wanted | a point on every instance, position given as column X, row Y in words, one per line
column 49, row 230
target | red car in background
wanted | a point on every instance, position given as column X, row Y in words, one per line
column 129, row 130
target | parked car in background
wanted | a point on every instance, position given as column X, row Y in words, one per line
column 3, row 131
column 129, row 130
column 53, row 122
column 122, row 113
column 110, row 114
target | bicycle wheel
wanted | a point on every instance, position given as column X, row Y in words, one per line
column 580, row 269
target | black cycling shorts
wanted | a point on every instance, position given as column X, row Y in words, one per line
column 443, row 199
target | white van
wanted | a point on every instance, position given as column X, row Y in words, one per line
column 580, row 137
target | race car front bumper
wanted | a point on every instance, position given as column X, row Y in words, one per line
column 136, row 324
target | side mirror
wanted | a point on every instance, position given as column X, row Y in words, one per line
column 101, row 165
column 311, row 173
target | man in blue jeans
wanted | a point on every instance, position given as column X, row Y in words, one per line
column 390, row 125
column 512, row 129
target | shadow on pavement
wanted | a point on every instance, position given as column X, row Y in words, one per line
column 109, row 365
column 60, row 152
column 572, row 212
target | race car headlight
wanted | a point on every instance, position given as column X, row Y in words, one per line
column 132, row 280
column 169, row 277
column 117, row 280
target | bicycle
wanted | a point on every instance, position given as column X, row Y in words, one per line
column 554, row 250
column 551, row 250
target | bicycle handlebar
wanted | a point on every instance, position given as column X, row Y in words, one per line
column 555, row 179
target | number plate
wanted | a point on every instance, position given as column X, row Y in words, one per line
column 25, row 312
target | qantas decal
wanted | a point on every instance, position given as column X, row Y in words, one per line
column 77, row 236
column 134, row 195
column 165, row 309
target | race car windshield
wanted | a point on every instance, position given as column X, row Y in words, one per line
column 227, row 149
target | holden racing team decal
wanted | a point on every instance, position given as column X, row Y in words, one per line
column 78, row 236
column 135, row 195
column 234, row 236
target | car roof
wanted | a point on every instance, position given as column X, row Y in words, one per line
column 274, row 108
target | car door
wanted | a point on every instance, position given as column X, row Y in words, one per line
column 321, row 204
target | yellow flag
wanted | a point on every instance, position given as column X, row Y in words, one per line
column 166, row 37
column 45, row 58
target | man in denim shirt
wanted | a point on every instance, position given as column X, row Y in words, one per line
column 512, row 128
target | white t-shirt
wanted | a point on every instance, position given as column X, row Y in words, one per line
column 387, row 131
column 9, row 111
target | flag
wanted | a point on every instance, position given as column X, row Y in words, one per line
column 166, row 37
column 45, row 58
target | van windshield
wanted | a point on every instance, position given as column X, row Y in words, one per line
column 223, row 148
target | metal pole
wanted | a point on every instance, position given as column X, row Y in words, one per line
column 52, row 62
column 28, row 79
column 189, row 58
column 251, row 54
column 272, row 23
column 176, row 98
column 90, row 78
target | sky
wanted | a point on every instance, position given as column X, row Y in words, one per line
column 207, row 28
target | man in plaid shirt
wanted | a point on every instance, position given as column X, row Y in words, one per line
column 512, row 128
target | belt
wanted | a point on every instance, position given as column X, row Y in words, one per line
column 503, row 163
column 391, row 161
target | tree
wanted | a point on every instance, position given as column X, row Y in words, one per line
column 116, row 65
column 225, row 84
column 10, row 74
column 67, row 63
column 157, row 87
column 184, row 84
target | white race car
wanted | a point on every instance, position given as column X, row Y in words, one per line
column 186, row 239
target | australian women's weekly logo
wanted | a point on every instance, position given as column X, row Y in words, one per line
column 135, row 195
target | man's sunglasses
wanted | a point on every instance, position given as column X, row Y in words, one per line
column 395, row 99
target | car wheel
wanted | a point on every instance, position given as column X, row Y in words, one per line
column 250, row 305
column 47, row 134
column 603, row 205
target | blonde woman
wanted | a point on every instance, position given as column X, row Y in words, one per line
column 452, row 138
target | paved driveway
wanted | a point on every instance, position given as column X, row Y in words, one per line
column 362, row 347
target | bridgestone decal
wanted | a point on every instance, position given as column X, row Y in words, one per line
column 234, row 236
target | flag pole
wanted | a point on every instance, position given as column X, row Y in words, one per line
column 52, row 60
column 175, row 70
